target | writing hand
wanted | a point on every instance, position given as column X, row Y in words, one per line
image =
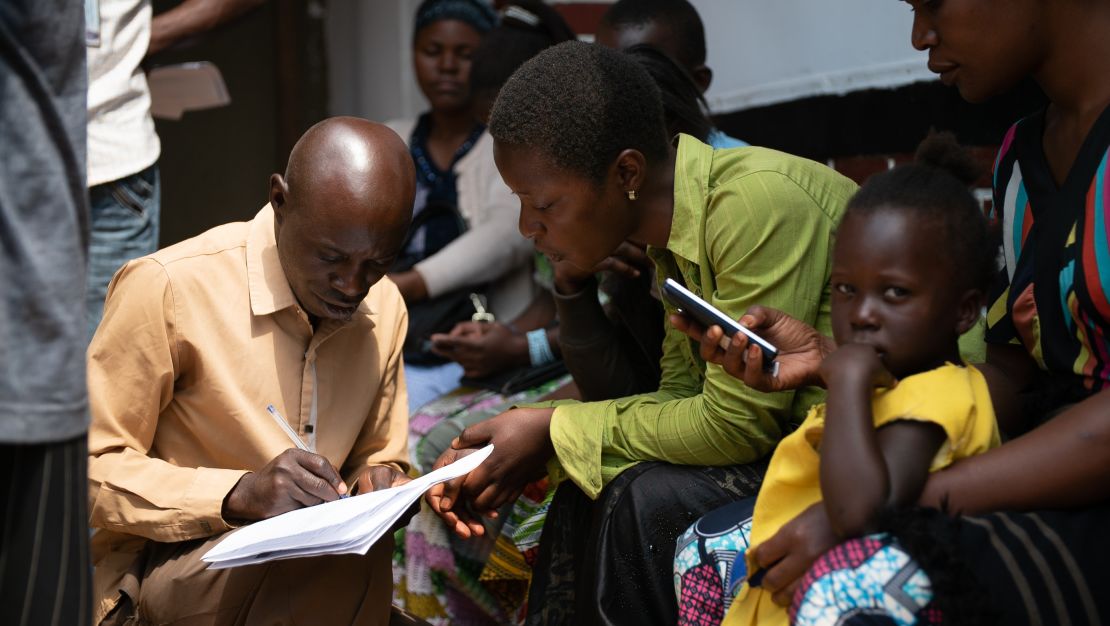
column 801, row 349
column 790, row 552
column 293, row 480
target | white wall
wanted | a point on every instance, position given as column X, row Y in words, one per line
column 768, row 51
column 370, row 59
column 761, row 51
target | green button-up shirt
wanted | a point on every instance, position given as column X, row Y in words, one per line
column 750, row 226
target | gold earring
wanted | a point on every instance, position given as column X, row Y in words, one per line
column 631, row 194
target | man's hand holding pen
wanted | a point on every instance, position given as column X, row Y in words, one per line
column 293, row 480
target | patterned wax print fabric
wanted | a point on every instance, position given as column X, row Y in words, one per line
column 954, row 397
column 709, row 564
column 484, row 580
column 870, row 574
column 1038, row 567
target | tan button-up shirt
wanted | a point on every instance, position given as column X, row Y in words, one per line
column 196, row 341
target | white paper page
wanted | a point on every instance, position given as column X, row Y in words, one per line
column 332, row 526
column 365, row 534
column 322, row 524
column 355, row 546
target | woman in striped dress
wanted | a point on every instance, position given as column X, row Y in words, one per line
column 1034, row 539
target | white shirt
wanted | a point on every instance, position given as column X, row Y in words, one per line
column 122, row 139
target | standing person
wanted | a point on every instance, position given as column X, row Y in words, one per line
column 580, row 139
column 124, row 191
column 200, row 340
column 123, row 177
column 464, row 234
column 192, row 18
column 672, row 26
column 1038, row 504
column 44, row 560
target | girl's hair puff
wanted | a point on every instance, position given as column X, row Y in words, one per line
column 936, row 188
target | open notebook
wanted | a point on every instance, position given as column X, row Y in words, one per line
column 346, row 526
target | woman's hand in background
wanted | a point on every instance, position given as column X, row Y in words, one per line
column 482, row 348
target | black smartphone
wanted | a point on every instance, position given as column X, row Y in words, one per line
column 708, row 315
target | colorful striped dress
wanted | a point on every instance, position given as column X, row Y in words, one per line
column 1055, row 303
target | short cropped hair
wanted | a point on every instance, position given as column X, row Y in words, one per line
column 581, row 105
column 678, row 15
column 936, row 187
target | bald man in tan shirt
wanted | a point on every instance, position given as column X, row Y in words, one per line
column 198, row 339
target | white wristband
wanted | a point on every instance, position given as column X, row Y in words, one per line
column 539, row 349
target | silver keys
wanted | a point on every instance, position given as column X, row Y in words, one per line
column 480, row 312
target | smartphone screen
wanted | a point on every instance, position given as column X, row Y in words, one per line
column 708, row 315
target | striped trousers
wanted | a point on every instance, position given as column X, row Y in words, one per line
column 45, row 575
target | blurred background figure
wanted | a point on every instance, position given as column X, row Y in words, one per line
column 675, row 28
column 507, row 361
column 526, row 28
column 464, row 239
column 192, row 18
column 124, row 193
column 44, row 559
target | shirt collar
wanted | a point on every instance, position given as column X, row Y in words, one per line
column 691, row 189
column 269, row 288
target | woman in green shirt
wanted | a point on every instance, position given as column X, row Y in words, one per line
column 579, row 137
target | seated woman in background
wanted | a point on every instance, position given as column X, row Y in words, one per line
column 580, row 138
column 490, row 352
column 1035, row 536
column 440, row 578
column 901, row 401
column 464, row 234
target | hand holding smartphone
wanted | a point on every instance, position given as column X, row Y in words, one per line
column 708, row 315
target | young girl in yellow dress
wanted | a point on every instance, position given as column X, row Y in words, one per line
column 910, row 267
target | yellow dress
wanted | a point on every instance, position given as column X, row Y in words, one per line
column 951, row 396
